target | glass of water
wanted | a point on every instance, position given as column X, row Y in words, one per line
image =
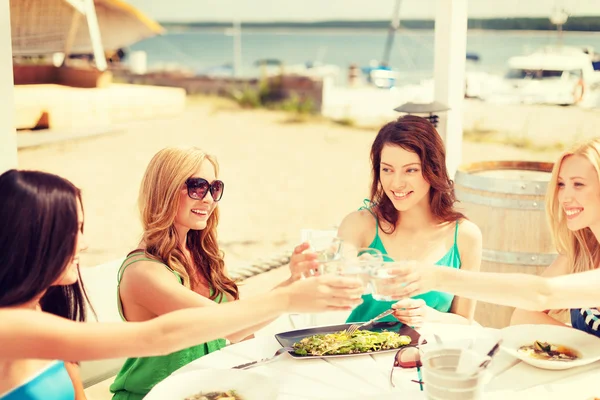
column 384, row 282
column 326, row 248
column 356, row 263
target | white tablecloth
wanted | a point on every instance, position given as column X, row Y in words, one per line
column 367, row 376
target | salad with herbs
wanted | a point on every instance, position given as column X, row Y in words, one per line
column 339, row 343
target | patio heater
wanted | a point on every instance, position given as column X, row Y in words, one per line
column 429, row 109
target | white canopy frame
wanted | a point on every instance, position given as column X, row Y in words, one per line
column 8, row 134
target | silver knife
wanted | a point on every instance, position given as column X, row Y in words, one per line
column 253, row 364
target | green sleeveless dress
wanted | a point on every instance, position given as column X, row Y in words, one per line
column 438, row 300
column 139, row 375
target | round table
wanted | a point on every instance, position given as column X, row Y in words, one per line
column 368, row 376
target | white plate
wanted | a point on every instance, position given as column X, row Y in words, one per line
column 249, row 385
column 516, row 336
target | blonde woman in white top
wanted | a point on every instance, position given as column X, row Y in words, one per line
column 571, row 281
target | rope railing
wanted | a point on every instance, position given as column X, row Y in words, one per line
column 260, row 266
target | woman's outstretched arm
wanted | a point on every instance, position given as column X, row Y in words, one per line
column 529, row 292
column 26, row 333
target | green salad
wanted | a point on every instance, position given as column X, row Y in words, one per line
column 342, row 343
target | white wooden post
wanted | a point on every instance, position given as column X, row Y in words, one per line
column 94, row 29
column 449, row 74
column 8, row 136
column 75, row 21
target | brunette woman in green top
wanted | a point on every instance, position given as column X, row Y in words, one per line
column 411, row 216
column 178, row 263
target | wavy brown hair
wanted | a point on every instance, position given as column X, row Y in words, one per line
column 417, row 135
column 158, row 203
column 581, row 247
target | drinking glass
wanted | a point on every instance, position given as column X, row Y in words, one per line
column 384, row 282
column 441, row 380
column 326, row 247
column 356, row 263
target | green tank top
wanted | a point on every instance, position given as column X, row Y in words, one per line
column 438, row 300
column 139, row 375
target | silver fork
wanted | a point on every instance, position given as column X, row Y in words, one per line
column 264, row 360
column 354, row 327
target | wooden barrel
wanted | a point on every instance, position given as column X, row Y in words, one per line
column 506, row 199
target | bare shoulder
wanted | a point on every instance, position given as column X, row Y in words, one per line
column 359, row 219
column 9, row 316
column 18, row 323
column 560, row 266
column 358, row 227
column 17, row 320
column 469, row 234
column 469, row 244
column 144, row 273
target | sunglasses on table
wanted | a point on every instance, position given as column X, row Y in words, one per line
column 197, row 188
column 408, row 357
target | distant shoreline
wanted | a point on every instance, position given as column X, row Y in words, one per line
column 345, row 31
column 573, row 24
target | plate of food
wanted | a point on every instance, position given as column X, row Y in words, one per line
column 215, row 384
column 332, row 341
column 551, row 346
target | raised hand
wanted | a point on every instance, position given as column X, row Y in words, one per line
column 412, row 279
column 302, row 263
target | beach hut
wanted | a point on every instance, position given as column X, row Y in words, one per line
column 46, row 27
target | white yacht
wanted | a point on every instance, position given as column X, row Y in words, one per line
column 559, row 75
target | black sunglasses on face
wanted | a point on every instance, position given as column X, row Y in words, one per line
column 197, row 188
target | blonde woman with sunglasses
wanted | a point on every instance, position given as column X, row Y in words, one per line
column 178, row 263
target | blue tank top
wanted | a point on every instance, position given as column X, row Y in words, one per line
column 439, row 301
column 586, row 319
column 51, row 383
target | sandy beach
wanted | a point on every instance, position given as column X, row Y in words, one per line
column 280, row 176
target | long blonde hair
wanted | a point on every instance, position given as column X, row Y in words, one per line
column 158, row 204
column 581, row 247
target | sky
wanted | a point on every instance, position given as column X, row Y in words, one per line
column 319, row 10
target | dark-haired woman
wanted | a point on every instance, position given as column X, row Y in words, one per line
column 411, row 216
column 41, row 301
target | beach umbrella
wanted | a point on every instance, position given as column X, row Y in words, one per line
column 421, row 108
column 424, row 108
column 41, row 27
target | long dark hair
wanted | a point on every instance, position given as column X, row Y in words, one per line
column 38, row 235
column 417, row 135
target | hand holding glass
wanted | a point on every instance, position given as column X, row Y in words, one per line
column 355, row 262
column 326, row 247
column 386, row 282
